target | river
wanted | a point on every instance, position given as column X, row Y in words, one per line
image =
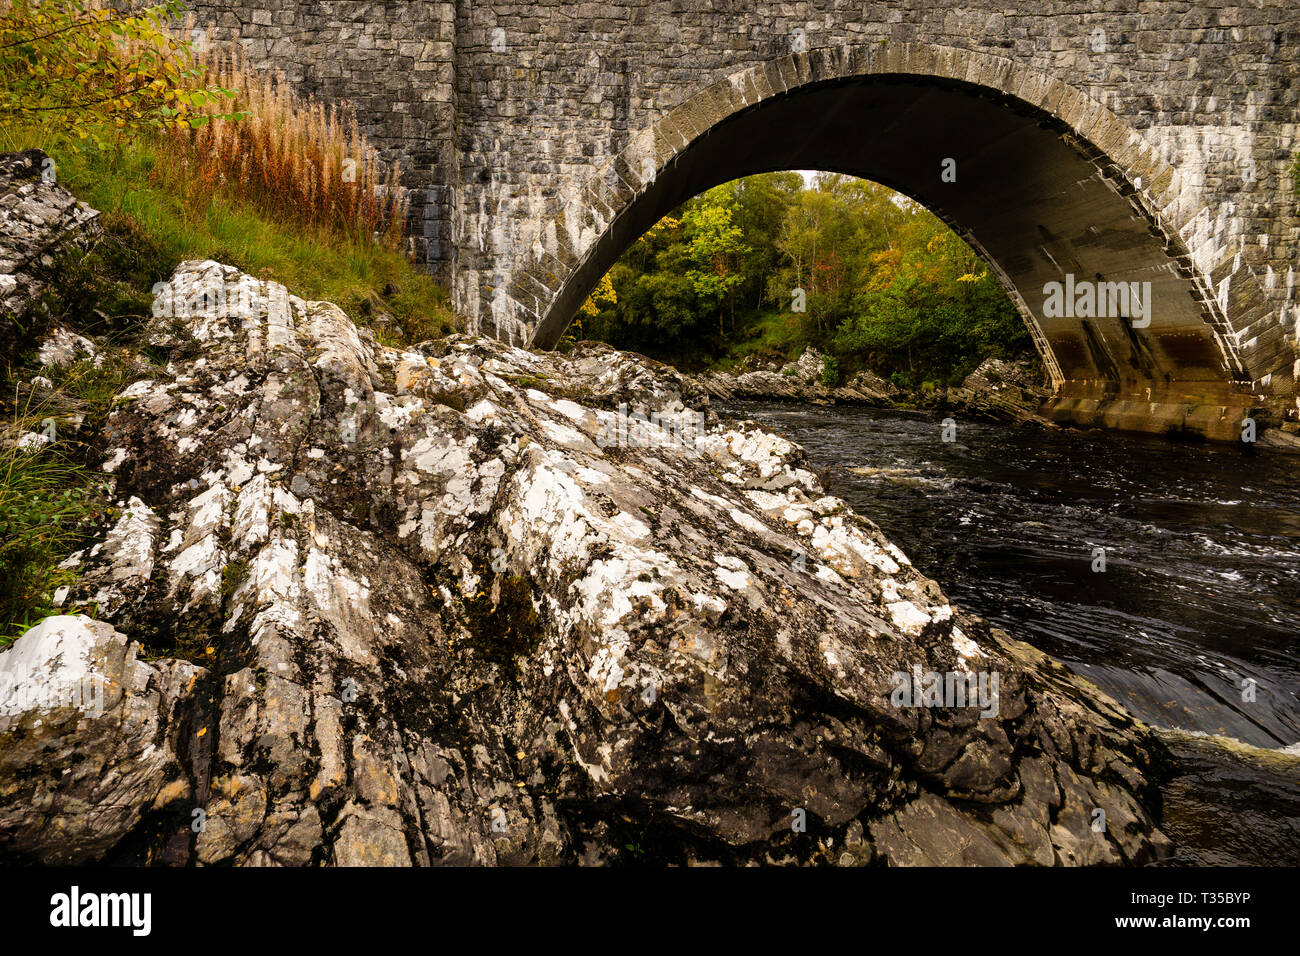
column 1193, row 622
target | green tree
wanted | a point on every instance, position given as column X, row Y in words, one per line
column 654, row 301
column 928, row 310
column 715, row 247
column 760, row 209
column 887, row 284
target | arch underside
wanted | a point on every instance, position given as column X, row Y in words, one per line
column 1031, row 197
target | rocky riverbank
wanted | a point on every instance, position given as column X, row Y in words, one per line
column 999, row 390
column 802, row 380
column 461, row 603
column 1009, row 391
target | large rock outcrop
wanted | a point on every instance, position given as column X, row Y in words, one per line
column 461, row 604
column 1001, row 390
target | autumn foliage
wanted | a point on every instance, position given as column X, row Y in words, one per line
column 770, row 264
column 89, row 73
column 295, row 159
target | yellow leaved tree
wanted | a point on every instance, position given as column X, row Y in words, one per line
column 604, row 292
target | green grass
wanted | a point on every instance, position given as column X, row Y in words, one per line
column 41, row 505
column 51, row 497
column 770, row 336
column 46, row 500
column 360, row 277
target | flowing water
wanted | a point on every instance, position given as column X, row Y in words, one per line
column 1193, row 624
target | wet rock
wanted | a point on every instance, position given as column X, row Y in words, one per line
column 1280, row 439
column 463, row 603
column 867, row 387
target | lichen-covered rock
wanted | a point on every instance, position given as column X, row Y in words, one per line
column 38, row 218
column 800, row 380
column 89, row 739
column 1001, row 390
column 62, row 348
column 464, row 603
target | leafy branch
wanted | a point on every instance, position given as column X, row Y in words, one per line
column 78, row 68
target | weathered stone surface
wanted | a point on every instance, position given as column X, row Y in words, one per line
column 1000, row 390
column 800, row 380
column 37, row 219
column 454, row 606
column 62, row 348
column 89, row 739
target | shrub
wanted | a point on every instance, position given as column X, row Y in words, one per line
column 830, row 371
column 93, row 72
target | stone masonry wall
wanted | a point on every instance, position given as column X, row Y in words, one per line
column 394, row 61
column 498, row 106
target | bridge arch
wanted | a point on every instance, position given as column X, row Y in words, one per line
column 1049, row 182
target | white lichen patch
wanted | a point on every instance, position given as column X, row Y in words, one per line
column 731, row 571
column 967, row 650
column 114, row 461
column 848, row 550
column 570, row 410
column 55, row 652
column 907, row 617
column 748, row 522
column 202, row 556
column 480, row 412
column 128, row 553
column 564, row 435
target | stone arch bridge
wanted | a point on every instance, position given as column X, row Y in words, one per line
column 539, row 139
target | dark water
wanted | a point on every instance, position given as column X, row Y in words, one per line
column 1200, row 595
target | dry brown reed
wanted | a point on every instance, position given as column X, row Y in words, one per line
column 293, row 158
